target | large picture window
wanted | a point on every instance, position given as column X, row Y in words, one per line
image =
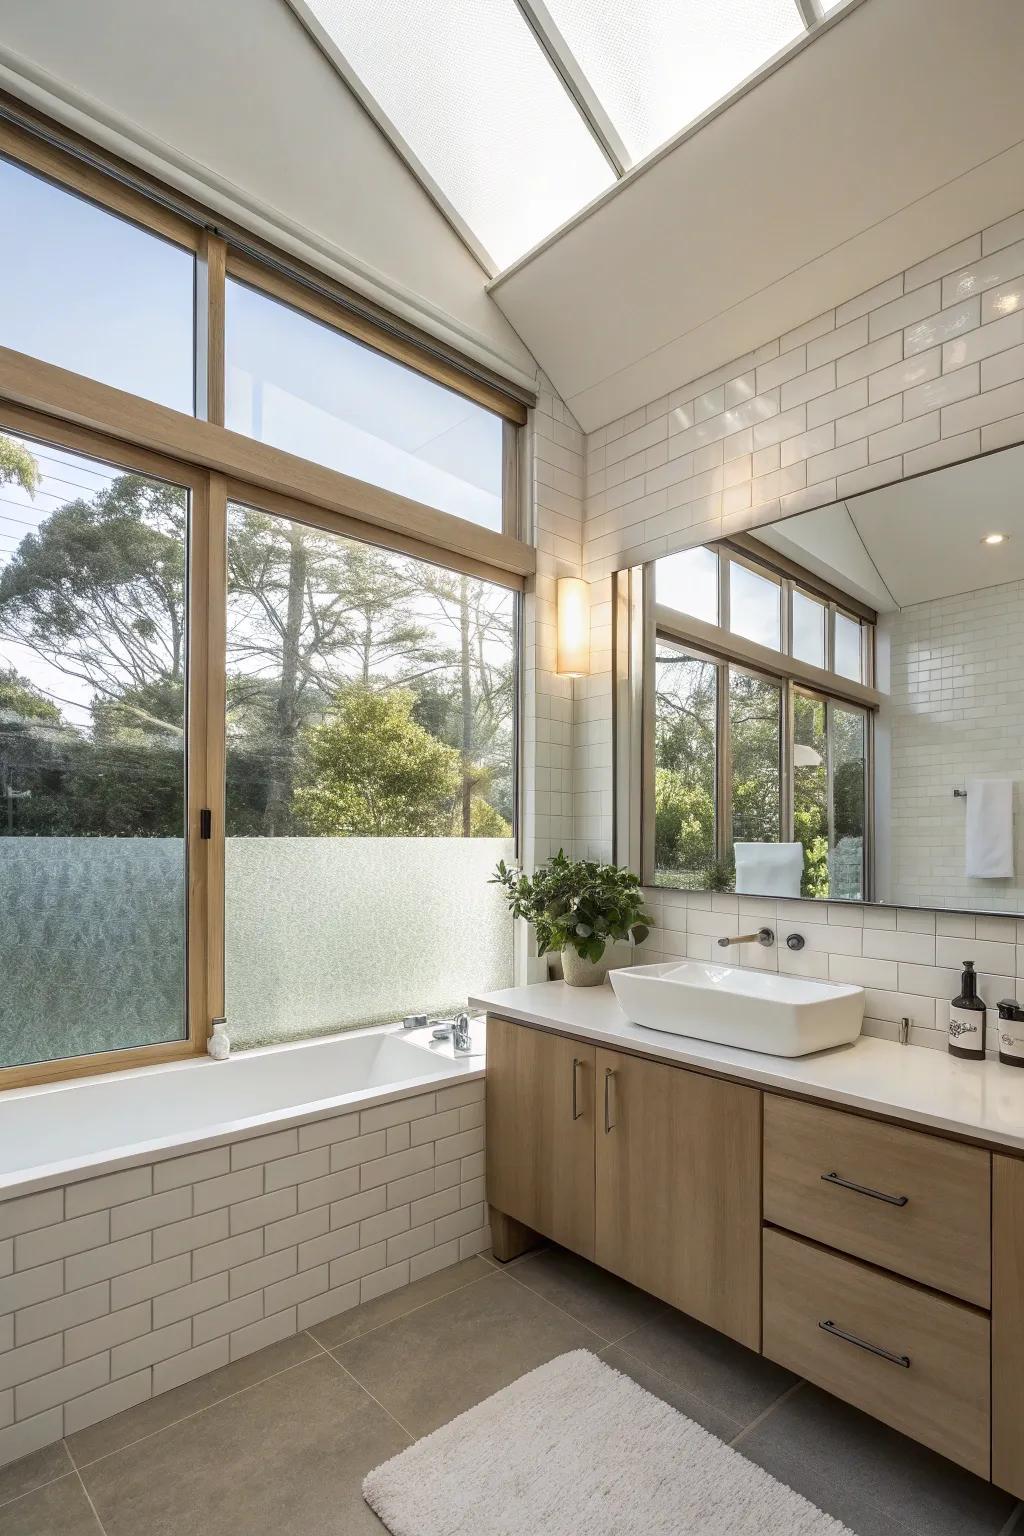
column 370, row 781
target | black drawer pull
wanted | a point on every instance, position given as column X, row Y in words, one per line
column 862, row 1189
column 873, row 1349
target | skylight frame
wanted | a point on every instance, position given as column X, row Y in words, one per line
column 816, row 19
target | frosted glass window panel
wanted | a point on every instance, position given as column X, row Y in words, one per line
column 93, row 661
column 688, row 582
column 329, row 934
column 755, row 606
column 656, row 67
column 469, row 89
column 809, row 625
column 317, row 393
column 849, row 651
column 90, row 292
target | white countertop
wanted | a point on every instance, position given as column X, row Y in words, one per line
column 983, row 1100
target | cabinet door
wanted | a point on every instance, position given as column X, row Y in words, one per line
column 679, row 1189
column 1008, row 1324
column 540, row 1132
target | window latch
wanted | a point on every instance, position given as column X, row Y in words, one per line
column 205, row 823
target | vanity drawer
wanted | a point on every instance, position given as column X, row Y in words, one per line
column 914, row 1360
column 910, row 1202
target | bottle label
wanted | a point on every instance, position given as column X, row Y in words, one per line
column 1011, row 1045
column 964, row 1022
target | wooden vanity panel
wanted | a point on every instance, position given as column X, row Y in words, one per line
column 941, row 1398
column 540, row 1161
column 1008, row 1324
column 940, row 1237
column 678, row 1189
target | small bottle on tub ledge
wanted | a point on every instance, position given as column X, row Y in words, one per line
column 967, row 1018
column 1011, row 1033
column 218, row 1042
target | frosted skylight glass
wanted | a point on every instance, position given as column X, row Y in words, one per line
column 467, row 86
column 657, row 66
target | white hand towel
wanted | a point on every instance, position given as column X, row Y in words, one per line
column 769, row 869
column 988, row 839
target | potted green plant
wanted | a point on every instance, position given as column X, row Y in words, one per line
column 578, row 907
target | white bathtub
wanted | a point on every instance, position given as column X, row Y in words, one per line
column 56, row 1133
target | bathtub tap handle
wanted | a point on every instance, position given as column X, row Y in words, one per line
column 460, row 1034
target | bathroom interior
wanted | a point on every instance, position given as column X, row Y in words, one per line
column 511, row 790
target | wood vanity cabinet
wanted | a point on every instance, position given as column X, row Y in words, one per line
column 652, row 1171
column 882, row 1262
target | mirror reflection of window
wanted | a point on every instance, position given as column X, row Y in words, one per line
column 755, row 606
column 755, row 733
column 686, row 745
column 810, row 622
column 688, row 582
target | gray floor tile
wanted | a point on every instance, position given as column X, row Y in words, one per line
column 694, row 1408
column 32, row 1471
column 286, row 1458
column 707, row 1365
column 372, row 1314
column 156, row 1414
column 610, row 1306
column 59, row 1509
column 432, row 1364
column 854, row 1467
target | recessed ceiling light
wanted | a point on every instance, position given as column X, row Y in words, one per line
column 995, row 538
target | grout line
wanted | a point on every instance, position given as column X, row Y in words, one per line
column 790, row 1391
column 1013, row 1523
column 688, row 1391
column 46, row 1481
column 365, row 1389
column 92, row 1506
column 330, row 1348
column 565, row 1313
column 82, row 1466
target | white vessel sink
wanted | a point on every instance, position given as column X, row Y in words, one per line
column 757, row 1010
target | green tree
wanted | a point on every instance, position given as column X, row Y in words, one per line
column 371, row 771
column 17, row 466
column 22, row 700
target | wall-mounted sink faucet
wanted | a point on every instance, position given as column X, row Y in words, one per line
column 765, row 936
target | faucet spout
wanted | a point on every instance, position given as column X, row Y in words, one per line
column 765, row 936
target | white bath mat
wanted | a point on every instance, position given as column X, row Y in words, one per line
column 577, row 1449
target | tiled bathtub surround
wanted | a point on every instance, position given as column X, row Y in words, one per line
column 118, row 1288
column 924, row 369
column 907, row 961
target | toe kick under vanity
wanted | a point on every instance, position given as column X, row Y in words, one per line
column 856, row 1216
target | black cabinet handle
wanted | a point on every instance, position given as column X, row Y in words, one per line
column 576, row 1064
column 828, row 1326
column 609, row 1123
column 862, row 1189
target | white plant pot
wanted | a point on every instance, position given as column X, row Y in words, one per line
column 584, row 973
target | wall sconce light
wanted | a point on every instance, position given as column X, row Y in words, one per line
column 573, row 627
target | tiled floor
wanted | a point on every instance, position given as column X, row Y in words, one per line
column 278, row 1444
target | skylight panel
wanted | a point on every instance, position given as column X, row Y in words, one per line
column 656, row 67
column 469, row 89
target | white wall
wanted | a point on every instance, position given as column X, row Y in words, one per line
column 232, row 101
column 954, row 712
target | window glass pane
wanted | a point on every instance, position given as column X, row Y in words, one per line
column 688, row 582
column 849, row 810
column 849, row 655
column 810, row 791
column 315, row 392
column 755, row 606
column 809, row 618
column 685, row 725
column 93, row 654
column 467, row 86
column 90, row 292
column 755, row 715
column 370, row 782
column 657, row 66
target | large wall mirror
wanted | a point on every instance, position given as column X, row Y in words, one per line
column 833, row 704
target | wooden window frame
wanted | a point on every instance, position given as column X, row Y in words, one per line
column 70, row 411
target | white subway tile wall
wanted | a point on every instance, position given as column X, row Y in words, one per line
column 926, row 368
column 907, row 961
column 117, row 1288
column 950, row 659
